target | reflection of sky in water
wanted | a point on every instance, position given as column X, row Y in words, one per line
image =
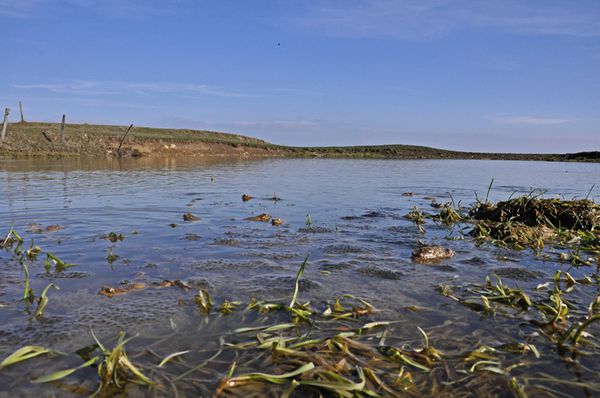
column 319, row 184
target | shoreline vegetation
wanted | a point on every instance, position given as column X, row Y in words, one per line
column 38, row 139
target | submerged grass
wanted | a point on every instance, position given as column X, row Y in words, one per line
column 336, row 349
column 341, row 348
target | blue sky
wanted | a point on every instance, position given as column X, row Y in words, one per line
column 497, row 75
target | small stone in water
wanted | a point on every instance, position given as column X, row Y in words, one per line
column 432, row 253
column 190, row 217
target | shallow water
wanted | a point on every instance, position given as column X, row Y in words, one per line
column 359, row 243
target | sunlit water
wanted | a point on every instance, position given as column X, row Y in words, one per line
column 363, row 244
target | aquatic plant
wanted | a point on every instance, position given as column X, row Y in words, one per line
column 115, row 369
column 23, row 354
column 449, row 215
column 417, row 217
column 42, row 301
column 59, row 265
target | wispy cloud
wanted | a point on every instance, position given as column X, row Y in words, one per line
column 529, row 120
column 85, row 87
column 276, row 123
column 260, row 126
column 19, row 8
column 117, row 8
column 430, row 19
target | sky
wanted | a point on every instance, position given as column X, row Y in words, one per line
column 495, row 75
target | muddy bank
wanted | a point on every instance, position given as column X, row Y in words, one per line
column 44, row 139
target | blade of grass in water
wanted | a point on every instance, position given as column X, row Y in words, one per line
column 297, row 282
column 28, row 291
column 23, row 354
column 64, row 373
column 169, row 357
column 43, row 301
column 271, row 378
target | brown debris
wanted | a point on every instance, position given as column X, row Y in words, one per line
column 264, row 217
column 246, row 197
column 37, row 228
column 407, row 194
column 177, row 282
column 190, row 217
column 112, row 291
column 109, row 291
column 276, row 222
column 52, row 228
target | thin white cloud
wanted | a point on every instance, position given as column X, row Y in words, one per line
column 276, row 123
column 529, row 120
column 431, row 19
column 115, row 8
column 19, row 8
column 84, row 87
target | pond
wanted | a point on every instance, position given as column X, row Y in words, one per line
column 347, row 216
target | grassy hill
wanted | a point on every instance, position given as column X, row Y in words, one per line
column 43, row 139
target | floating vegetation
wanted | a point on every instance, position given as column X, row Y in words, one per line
column 417, row 216
column 33, row 251
column 204, row 301
column 246, row 197
column 532, row 211
column 276, row 222
column 448, row 214
column 114, row 237
column 529, row 221
column 59, row 265
column 111, row 258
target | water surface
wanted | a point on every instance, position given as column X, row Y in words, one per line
column 359, row 243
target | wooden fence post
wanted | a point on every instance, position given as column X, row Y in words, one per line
column 62, row 130
column 21, row 109
column 4, row 123
column 123, row 139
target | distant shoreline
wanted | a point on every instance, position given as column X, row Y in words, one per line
column 34, row 139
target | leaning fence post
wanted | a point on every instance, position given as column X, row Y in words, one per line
column 62, row 130
column 123, row 140
column 4, row 123
column 21, row 109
